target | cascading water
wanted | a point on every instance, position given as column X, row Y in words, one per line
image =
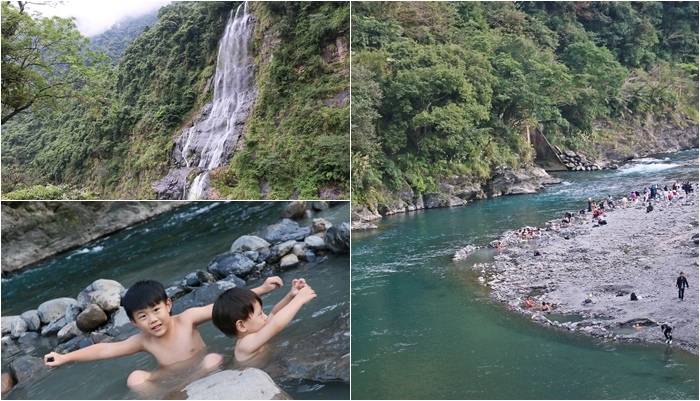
column 209, row 142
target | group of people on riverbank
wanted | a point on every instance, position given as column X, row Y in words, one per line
column 674, row 195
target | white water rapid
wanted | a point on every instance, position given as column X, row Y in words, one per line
column 209, row 142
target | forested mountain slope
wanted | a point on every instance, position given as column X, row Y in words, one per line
column 116, row 142
column 444, row 93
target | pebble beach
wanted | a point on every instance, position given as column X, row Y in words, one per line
column 635, row 252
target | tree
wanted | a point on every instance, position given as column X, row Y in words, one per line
column 44, row 60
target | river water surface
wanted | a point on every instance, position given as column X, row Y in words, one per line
column 166, row 249
column 423, row 328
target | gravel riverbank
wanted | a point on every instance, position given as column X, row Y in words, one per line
column 636, row 252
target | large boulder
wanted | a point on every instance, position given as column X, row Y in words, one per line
column 204, row 295
column 105, row 293
column 248, row 384
column 54, row 309
column 337, row 238
column 229, row 263
column 284, row 230
column 91, row 318
column 295, row 210
column 249, row 243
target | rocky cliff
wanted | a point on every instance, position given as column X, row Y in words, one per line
column 616, row 143
column 33, row 231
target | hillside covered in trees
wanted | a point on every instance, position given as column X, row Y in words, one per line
column 449, row 89
column 76, row 125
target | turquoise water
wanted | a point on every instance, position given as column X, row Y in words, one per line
column 423, row 328
column 166, row 249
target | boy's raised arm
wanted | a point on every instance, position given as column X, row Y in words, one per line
column 198, row 315
column 96, row 352
column 270, row 284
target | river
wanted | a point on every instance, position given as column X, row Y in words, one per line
column 166, row 248
column 423, row 328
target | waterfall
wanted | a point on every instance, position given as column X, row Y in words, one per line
column 211, row 140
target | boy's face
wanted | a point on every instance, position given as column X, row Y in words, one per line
column 153, row 320
column 256, row 321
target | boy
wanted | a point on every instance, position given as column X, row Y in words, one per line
column 238, row 313
column 170, row 339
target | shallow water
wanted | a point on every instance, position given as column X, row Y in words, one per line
column 166, row 249
column 423, row 328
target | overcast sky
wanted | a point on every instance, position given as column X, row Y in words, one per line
column 94, row 17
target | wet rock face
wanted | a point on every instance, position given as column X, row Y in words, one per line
column 321, row 356
column 337, row 238
column 26, row 367
column 33, row 231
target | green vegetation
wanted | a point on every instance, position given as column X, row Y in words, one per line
column 119, row 142
column 449, row 89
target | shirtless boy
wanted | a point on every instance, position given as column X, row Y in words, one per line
column 238, row 313
column 170, row 339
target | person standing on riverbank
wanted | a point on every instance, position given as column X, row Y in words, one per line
column 681, row 283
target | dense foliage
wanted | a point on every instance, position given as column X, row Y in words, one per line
column 114, row 41
column 119, row 144
column 449, row 88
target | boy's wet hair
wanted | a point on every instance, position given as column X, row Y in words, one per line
column 143, row 294
column 231, row 306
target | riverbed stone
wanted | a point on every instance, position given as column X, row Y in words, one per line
column 279, row 250
column 54, row 309
column 283, row 230
column 289, row 261
column 7, row 322
column 72, row 312
column 249, row 243
column 230, row 263
column 320, row 205
column 18, row 327
column 54, row 327
column 68, row 331
column 294, row 210
column 119, row 318
column 91, row 318
column 248, row 384
column 105, row 293
column 314, row 242
column 31, row 318
column 299, row 249
column 7, row 382
column 28, row 337
column 337, row 238
column 201, row 296
column 27, row 367
column 320, row 225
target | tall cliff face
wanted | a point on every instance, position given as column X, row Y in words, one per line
column 33, row 231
